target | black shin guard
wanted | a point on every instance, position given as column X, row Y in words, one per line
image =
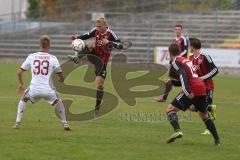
column 211, row 127
column 99, row 97
column 173, row 119
column 168, row 88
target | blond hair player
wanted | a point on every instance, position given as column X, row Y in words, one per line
column 42, row 66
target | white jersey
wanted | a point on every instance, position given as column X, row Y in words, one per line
column 42, row 66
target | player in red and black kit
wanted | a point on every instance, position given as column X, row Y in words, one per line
column 193, row 93
column 206, row 70
column 181, row 40
column 103, row 37
column 173, row 80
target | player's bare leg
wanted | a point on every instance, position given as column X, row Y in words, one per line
column 173, row 119
column 21, row 106
column 160, row 99
column 61, row 111
column 99, row 95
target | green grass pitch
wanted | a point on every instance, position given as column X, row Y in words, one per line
column 114, row 136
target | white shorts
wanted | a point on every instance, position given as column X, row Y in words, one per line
column 50, row 95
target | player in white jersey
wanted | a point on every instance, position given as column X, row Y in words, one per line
column 42, row 65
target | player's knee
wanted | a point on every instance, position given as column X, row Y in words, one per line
column 192, row 108
column 56, row 102
column 170, row 108
column 25, row 99
column 169, row 82
column 100, row 88
column 100, row 85
column 99, row 82
column 204, row 115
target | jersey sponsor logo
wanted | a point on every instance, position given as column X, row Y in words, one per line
column 99, row 42
column 196, row 67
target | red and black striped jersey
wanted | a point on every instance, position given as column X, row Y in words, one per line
column 183, row 44
column 205, row 68
column 188, row 76
column 100, row 48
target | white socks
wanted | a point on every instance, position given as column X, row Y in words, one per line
column 59, row 106
column 21, row 107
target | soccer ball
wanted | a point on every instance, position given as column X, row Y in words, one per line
column 78, row 45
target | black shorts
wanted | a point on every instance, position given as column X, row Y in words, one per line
column 101, row 71
column 182, row 102
column 100, row 67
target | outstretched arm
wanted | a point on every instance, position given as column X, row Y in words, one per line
column 84, row 36
column 115, row 41
column 87, row 35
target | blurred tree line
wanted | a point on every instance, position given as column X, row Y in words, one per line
column 70, row 8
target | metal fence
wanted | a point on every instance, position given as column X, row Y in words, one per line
column 146, row 30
